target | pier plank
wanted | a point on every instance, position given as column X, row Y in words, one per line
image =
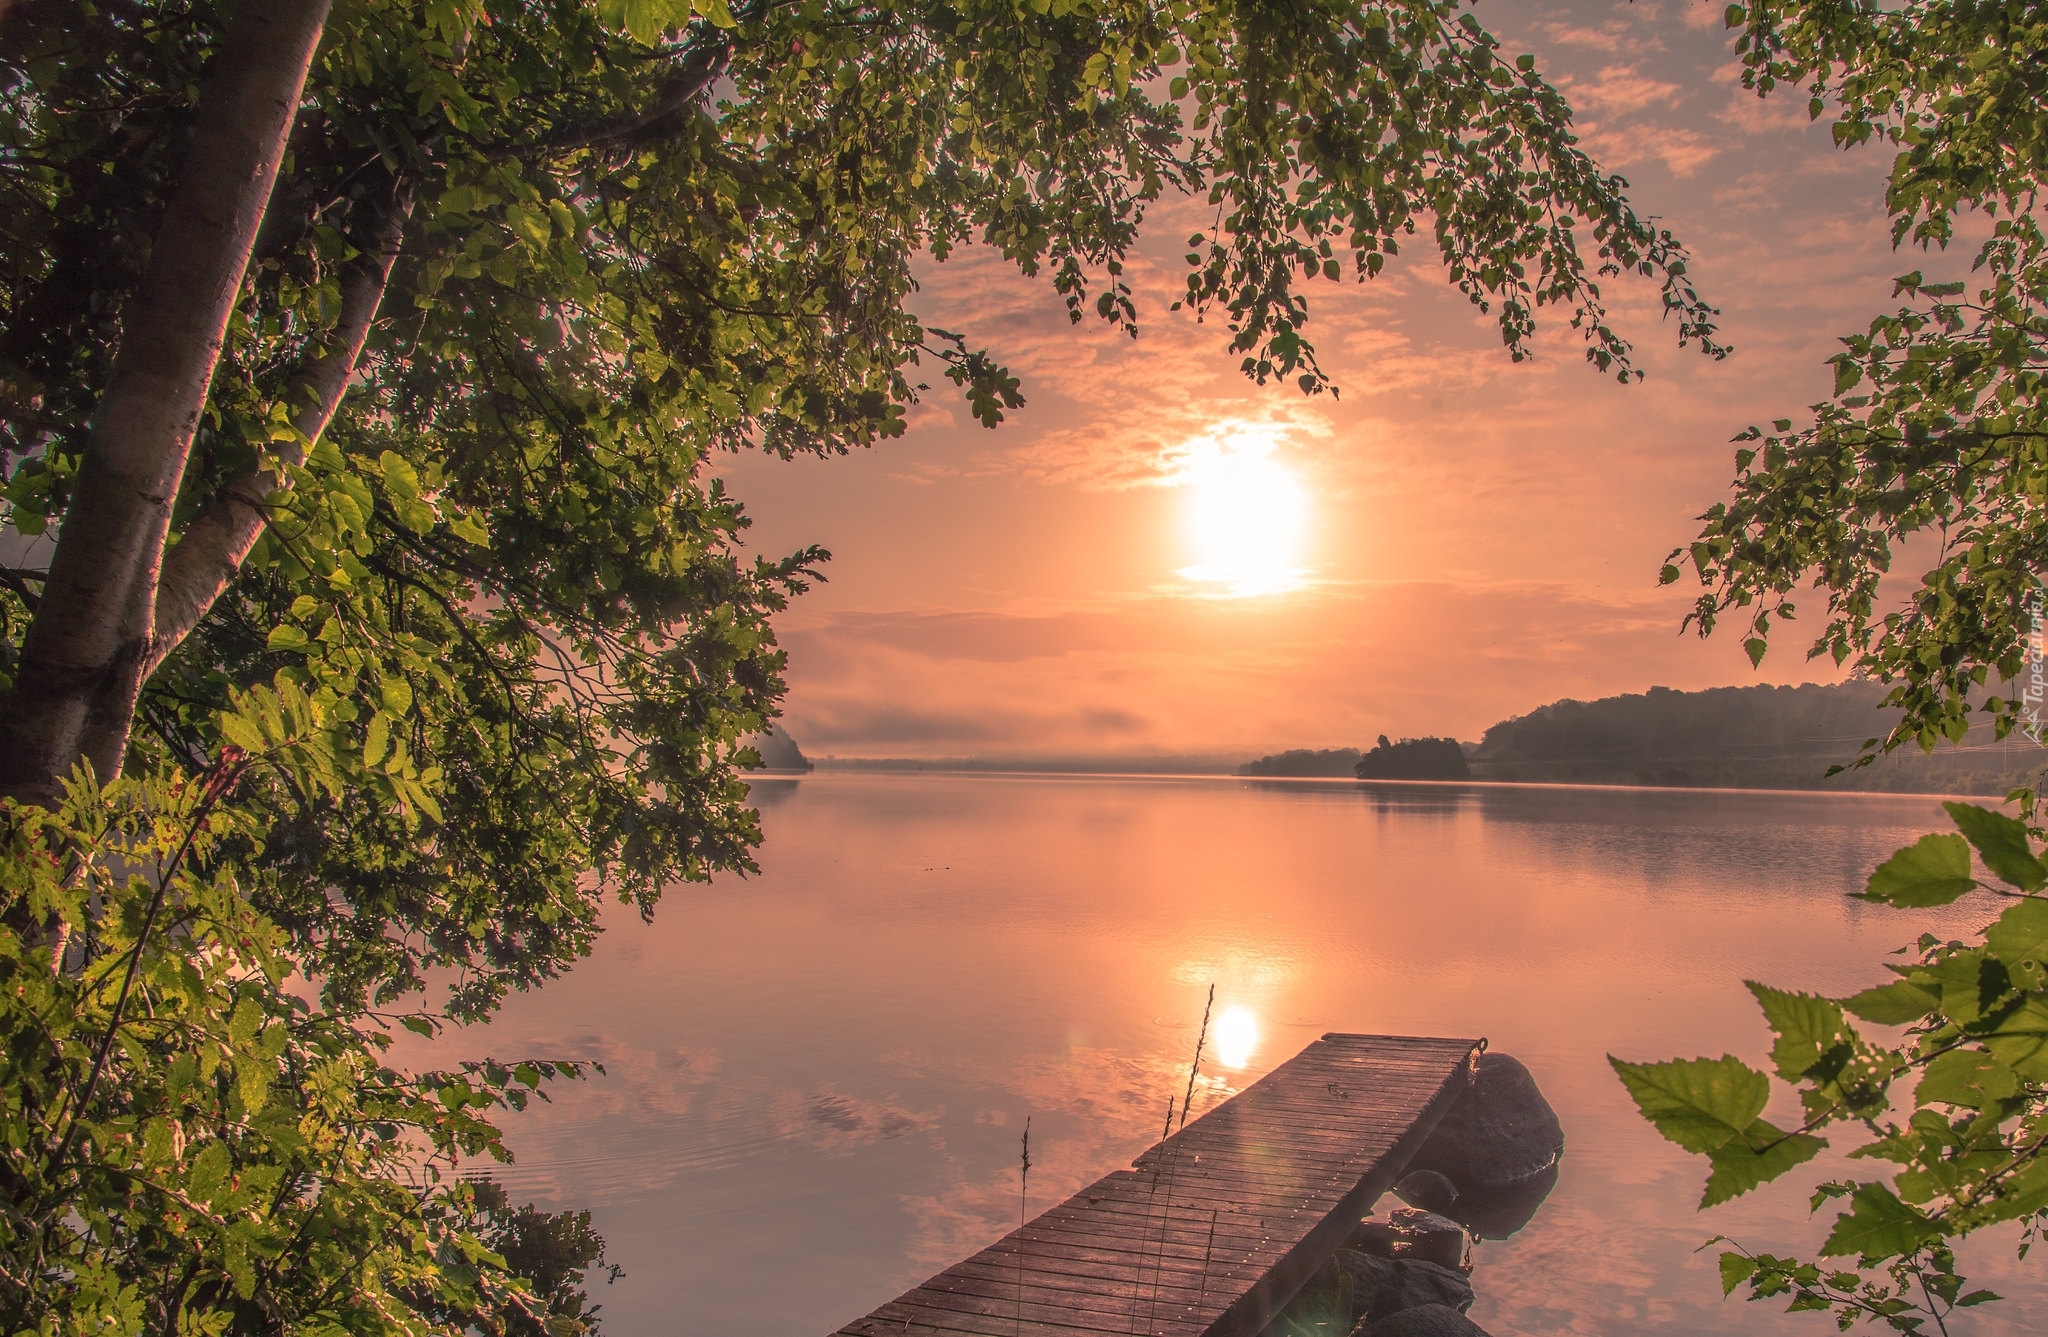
column 1212, row 1230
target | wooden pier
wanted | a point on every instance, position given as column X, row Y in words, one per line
column 1213, row 1230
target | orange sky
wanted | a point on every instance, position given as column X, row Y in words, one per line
column 1479, row 537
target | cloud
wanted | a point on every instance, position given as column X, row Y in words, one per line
column 1620, row 88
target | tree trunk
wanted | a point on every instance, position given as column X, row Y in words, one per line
column 82, row 660
column 213, row 544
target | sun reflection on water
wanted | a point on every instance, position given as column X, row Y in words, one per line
column 1236, row 1037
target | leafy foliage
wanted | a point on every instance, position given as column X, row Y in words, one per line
column 1937, row 424
column 187, row 1146
column 1972, row 1147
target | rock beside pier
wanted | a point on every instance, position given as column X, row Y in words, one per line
column 1502, row 1133
column 1412, row 1234
column 1379, row 1288
column 1427, row 1189
column 1424, row 1321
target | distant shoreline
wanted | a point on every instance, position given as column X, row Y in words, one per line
column 1755, row 739
column 1047, row 773
column 1218, row 764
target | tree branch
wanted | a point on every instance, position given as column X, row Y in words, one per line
column 699, row 70
column 217, row 541
column 17, row 581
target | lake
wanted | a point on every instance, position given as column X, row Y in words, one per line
column 817, row 1076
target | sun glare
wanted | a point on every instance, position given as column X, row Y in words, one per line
column 1246, row 517
column 1237, row 1036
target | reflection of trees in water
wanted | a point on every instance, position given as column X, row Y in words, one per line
column 769, row 793
column 1671, row 837
column 1666, row 836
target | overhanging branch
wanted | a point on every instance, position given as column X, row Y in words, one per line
column 679, row 93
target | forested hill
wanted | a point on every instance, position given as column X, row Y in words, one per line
column 1760, row 737
column 779, row 751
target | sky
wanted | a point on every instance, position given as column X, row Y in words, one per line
column 1156, row 557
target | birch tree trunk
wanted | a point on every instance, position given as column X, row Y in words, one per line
column 84, row 655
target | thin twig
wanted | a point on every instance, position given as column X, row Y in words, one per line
column 1928, row 1295
column 1208, row 1252
column 1145, row 1241
column 1023, row 1199
column 1195, row 1067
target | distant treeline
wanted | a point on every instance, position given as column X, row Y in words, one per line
column 1409, row 759
column 1760, row 737
column 1302, row 763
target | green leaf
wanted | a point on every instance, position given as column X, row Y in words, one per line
column 238, row 730
column 1698, row 1103
column 1736, row 1268
column 470, row 530
column 159, row 1142
column 1933, row 870
column 1738, row 1167
column 2019, row 938
column 2025, row 1193
column 1807, row 1027
column 399, row 476
column 1970, row 1078
column 1897, row 1004
column 416, row 515
column 245, row 1021
column 2020, row 1039
column 2002, row 843
column 1877, row 1225
column 376, row 739
column 286, row 638
column 252, row 1083
column 1970, row 983
column 209, row 1168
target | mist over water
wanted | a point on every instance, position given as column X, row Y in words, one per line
column 817, row 1076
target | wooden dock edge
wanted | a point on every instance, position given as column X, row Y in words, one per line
column 1269, row 1295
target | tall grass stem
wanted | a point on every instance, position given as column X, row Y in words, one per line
column 1193, row 1068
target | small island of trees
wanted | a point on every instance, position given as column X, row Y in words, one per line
column 1414, row 759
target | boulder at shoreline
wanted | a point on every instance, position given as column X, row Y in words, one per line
column 1502, row 1133
column 1423, row 1321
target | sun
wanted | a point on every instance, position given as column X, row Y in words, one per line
column 1246, row 517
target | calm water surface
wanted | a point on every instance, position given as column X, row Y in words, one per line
column 817, row 1076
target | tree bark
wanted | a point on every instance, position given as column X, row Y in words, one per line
column 210, row 550
column 83, row 658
